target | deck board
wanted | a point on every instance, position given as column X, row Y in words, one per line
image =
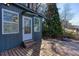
column 19, row 52
column 10, row 53
column 14, row 53
column 6, row 53
column 24, row 53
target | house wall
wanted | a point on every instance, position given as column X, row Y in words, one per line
column 38, row 35
column 8, row 41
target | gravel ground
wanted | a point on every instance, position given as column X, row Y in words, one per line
column 59, row 48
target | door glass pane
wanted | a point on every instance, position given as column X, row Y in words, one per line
column 27, row 26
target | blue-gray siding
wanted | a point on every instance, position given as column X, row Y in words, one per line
column 8, row 41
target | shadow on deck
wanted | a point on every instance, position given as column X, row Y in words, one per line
column 33, row 50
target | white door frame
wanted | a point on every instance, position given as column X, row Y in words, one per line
column 26, row 36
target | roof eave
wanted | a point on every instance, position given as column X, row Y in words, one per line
column 29, row 10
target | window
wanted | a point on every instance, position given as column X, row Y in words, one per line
column 37, row 24
column 26, row 4
column 10, row 22
column 30, row 6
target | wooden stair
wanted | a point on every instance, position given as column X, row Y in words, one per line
column 28, row 44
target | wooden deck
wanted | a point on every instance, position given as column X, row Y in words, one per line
column 21, row 51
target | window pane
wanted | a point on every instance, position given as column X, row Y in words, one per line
column 10, row 27
column 36, row 25
column 27, row 26
column 8, row 16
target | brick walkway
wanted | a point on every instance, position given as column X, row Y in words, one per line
column 59, row 48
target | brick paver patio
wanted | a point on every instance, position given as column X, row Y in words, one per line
column 59, row 48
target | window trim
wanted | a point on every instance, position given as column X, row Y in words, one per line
column 9, row 21
column 30, row 5
column 39, row 24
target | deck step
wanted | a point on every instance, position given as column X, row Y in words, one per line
column 29, row 43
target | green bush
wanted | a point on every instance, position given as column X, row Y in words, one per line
column 52, row 26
